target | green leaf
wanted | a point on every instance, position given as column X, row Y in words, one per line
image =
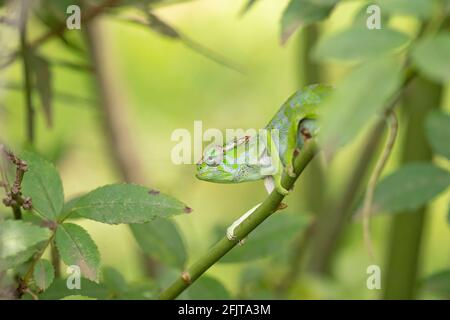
column 358, row 98
column 114, row 280
column 248, row 6
column 17, row 236
column 77, row 248
column 448, row 215
column 419, row 8
column 410, row 187
column 206, row 288
column 43, row 79
column 268, row 238
column 359, row 44
column 43, row 274
column 77, row 297
column 438, row 132
column 161, row 239
column 59, row 290
column 438, row 283
column 127, row 203
column 121, row 290
column 302, row 13
column 17, row 260
column 431, row 56
column 43, row 184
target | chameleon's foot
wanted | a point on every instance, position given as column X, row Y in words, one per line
column 281, row 190
column 290, row 171
column 230, row 231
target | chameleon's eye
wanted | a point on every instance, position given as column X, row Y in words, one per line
column 212, row 162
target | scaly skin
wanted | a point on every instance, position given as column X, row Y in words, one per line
column 241, row 160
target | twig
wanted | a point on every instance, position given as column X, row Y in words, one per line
column 61, row 29
column 23, row 282
column 267, row 208
column 14, row 197
column 381, row 163
column 27, row 65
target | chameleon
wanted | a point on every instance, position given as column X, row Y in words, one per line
column 266, row 156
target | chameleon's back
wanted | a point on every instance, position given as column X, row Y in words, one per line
column 304, row 105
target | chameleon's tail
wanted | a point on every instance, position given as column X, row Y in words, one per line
column 235, row 224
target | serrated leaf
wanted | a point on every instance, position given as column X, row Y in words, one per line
column 438, row 283
column 161, row 240
column 410, row 187
column 206, row 288
column 17, row 236
column 43, row 184
column 302, row 13
column 431, row 56
column 43, row 274
column 268, row 238
column 127, row 203
column 438, row 132
column 359, row 44
column 419, row 8
column 17, row 260
column 358, row 98
column 77, row 297
column 59, row 290
column 43, row 81
column 76, row 247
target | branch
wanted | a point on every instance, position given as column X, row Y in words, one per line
column 267, row 208
column 60, row 29
column 27, row 65
column 14, row 197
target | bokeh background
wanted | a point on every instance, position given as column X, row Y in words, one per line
column 163, row 85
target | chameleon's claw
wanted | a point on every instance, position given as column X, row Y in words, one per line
column 290, row 171
column 281, row 190
column 230, row 233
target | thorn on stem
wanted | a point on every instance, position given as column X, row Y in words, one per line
column 186, row 277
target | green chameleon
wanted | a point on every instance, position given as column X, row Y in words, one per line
column 266, row 156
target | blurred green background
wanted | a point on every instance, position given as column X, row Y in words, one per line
column 163, row 86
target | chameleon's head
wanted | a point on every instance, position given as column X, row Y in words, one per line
column 226, row 164
column 211, row 166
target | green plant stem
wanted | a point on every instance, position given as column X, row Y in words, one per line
column 56, row 259
column 331, row 224
column 27, row 65
column 268, row 207
column 24, row 281
column 404, row 246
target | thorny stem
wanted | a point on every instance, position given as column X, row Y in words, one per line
column 267, row 208
column 381, row 163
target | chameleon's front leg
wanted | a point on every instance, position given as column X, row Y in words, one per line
column 276, row 167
